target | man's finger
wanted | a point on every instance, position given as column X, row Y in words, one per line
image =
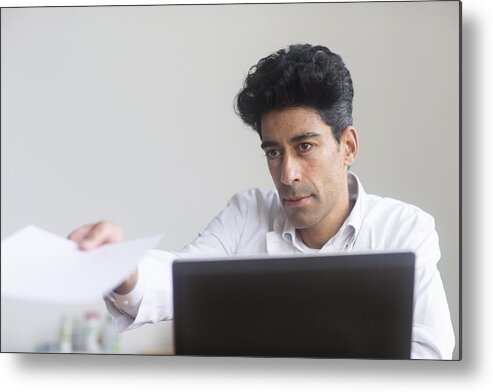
column 80, row 233
column 101, row 233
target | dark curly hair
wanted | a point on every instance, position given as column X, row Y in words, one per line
column 301, row 75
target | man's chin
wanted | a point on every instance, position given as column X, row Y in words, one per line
column 300, row 222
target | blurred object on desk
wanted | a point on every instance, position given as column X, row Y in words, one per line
column 88, row 335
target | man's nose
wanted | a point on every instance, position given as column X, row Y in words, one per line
column 290, row 171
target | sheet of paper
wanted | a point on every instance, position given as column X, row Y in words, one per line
column 43, row 267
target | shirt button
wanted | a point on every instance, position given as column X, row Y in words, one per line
column 125, row 302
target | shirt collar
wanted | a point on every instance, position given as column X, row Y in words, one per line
column 346, row 234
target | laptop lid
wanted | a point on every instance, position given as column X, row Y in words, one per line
column 330, row 306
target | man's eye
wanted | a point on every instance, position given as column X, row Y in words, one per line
column 272, row 154
column 305, row 146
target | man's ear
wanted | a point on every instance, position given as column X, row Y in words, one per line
column 349, row 142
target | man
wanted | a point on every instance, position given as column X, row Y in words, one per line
column 299, row 100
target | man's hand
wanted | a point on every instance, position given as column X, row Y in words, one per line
column 92, row 235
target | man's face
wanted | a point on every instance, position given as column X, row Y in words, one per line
column 309, row 168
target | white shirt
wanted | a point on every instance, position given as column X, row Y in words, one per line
column 254, row 223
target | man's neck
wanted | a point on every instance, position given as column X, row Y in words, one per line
column 317, row 236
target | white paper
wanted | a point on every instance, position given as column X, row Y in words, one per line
column 43, row 267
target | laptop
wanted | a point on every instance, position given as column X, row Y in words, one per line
column 332, row 306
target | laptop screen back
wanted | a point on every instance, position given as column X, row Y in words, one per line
column 340, row 306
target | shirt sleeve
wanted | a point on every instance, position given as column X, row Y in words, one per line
column 432, row 333
column 127, row 304
column 151, row 301
column 221, row 236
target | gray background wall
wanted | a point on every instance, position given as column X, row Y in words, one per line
column 126, row 114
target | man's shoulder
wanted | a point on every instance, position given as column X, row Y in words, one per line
column 257, row 209
column 388, row 209
column 387, row 212
column 389, row 223
column 259, row 206
column 256, row 197
column 391, row 206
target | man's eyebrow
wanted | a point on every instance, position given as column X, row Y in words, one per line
column 304, row 136
column 295, row 139
column 268, row 143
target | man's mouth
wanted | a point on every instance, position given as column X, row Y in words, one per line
column 296, row 201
